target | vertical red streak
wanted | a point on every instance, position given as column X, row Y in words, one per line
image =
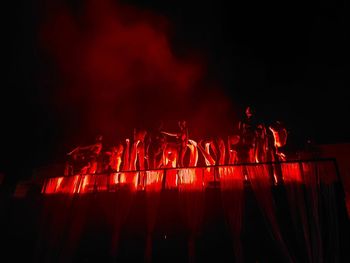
column 154, row 180
column 88, row 182
column 222, row 150
column 209, row 160
column 171, row 179
column 231, row 177
column 193, row 153
column 126, row 165
column 291, row 173
column 133, row 156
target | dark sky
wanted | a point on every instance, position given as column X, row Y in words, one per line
column 286, row 58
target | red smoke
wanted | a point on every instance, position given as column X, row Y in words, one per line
column 117, row 71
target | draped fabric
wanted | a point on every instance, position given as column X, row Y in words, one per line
column 121, row 203
column 292, row 175
column 123, row 187
column 63, row 220
column 94, row 210
column 312, row 201
column 209, row 175
column 312, row 188
column 231, row 185
column 68, row 185
column 328, row 179
column 87, row 184
column 261, row 185
column 51, row 226
column 102, row 182
column 191, row 201
column 171, row 178
column 153, row 187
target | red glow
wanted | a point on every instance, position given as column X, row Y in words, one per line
column 280, row 138
column 189, row 178
column 114, row 179
column 208, row 175
column 231, row 177
column 50, row 185
column 117, row 67
column 119, row 58
column 67, row 185
column 87, row 183
column 122, row 178
column 102, row 182
column 291, row 172
column 114, row 62
column 193, row 153
column 154, row 180
column 131, row 179
column 171, row 179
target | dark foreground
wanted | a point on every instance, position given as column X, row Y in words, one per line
column 113, row 227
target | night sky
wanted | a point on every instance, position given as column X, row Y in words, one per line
column 62, row 67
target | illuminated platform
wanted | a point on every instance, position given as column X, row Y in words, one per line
column 197, row 178
column 230, row 213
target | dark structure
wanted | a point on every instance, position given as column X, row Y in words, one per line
column 186, row 214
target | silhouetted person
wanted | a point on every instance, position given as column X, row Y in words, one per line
column 280, row 138
column 115, row 157
column 91, row 153
column 247, row 136
column 276, row 139
column 182, row 137
column 233, row 146
column 156, row 147
column 260, row 151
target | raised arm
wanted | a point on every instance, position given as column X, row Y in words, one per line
column 86, row 147
column 170, row 134
column 73, row 151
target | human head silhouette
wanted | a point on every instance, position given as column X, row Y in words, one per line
column 182, row 124
column 99, row 138
column 249, row 111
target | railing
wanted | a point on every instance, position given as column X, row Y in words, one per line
column 193, row 178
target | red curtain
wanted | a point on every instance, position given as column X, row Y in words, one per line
column 52, row 227
column 171, row 178
column 74, row 204
column 121, row 204
column 153, row 187
column 102, row 182
column 191, row 201
column 231, row 185
column 327, row 172
column 87, row 183
column 310, row 189
column 293, row 180
column 258, row 176
column 63, row 185
column 311, row 181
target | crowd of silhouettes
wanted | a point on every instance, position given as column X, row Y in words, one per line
column 250, row 142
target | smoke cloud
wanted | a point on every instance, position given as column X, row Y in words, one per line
column 115, row 69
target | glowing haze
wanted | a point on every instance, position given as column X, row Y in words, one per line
column 116, row 70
